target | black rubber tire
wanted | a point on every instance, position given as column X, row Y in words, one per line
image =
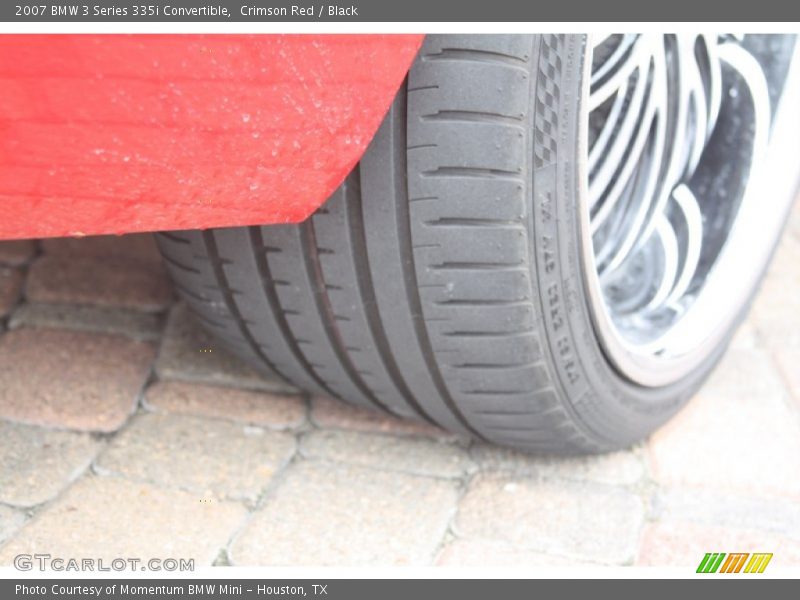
column 442, row 280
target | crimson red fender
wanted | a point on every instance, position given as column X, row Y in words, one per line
column 123, row 133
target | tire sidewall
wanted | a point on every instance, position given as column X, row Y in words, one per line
column 614, row 410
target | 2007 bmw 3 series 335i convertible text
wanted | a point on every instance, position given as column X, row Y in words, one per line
column 542, row 241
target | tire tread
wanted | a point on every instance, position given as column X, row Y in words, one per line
column 412, row 289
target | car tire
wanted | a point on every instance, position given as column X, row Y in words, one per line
column 446, row 278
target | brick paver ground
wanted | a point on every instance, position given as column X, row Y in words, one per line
column 125, row 430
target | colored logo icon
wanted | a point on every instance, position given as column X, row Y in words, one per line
column 736, row 562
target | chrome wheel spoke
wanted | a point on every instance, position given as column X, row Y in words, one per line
column 621, row 70
column 656, row 218
column 669, row 247
column 693, row 219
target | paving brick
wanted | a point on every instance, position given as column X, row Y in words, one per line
column 36, row 464
column 16, row 252
column 95, row 319
column 10, row 521
column 744, row 375
column 784, row 263
column 746, row 337
column 713, row 508
column 330, row 413
column 776, row 313
column 324, row 514
column 788, row 361
column 491, row 553
column 10, row 289
column 412, row 455
column 776, row 310
column 107, row 517
column 244, row 406
column 212, row 458
column 73, row 380
column 793, row 228
column 736, row 435
column 590, row 522
column 99, row 282
column 188, row 353
column 678, row 544
column 137, row 246
column 624, row 468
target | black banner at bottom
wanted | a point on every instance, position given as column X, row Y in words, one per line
column 384, row 589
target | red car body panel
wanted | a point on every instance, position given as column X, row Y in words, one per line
column 116, row 133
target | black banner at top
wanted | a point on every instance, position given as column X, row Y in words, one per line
column 471, row 11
